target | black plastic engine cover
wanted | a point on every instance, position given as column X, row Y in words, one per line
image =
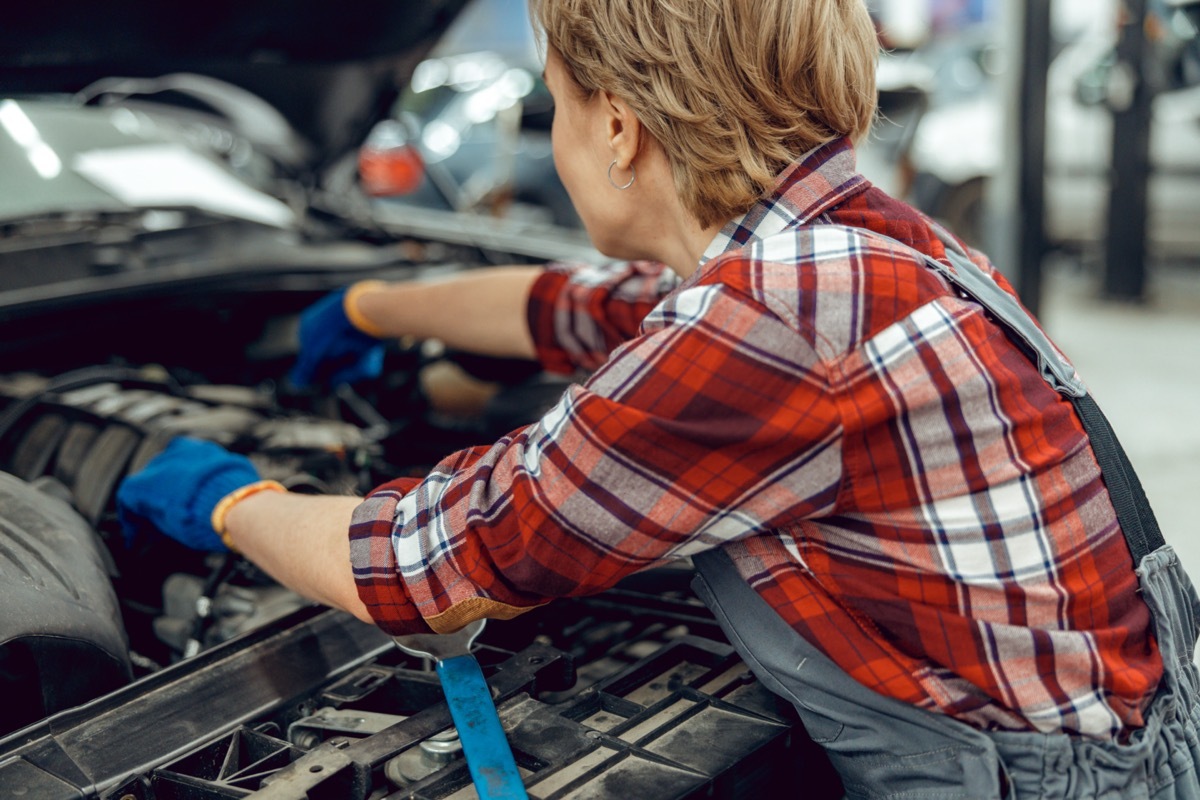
column 61, row 638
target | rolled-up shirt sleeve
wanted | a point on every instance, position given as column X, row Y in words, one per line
column 696, row 433
column 579, row 313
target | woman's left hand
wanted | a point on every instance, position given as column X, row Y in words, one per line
column 178, row 490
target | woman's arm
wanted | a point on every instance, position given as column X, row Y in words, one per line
column 300, row 541
column 481, row 311
column 568, row 316
column 715, row 424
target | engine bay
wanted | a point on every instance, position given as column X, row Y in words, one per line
column 140, row 669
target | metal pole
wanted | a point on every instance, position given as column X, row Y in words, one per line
column 1034, row 66
column 1130, row 96
column 1015, row 236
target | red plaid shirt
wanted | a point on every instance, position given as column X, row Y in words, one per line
column 881, row 464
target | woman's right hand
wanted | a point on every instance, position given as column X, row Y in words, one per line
column 333, row 349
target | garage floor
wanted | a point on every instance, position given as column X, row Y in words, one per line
column 1142, row 364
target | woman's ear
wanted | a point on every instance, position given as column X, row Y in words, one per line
column 622, row 129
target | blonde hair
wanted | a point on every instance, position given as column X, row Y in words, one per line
column 732, row 90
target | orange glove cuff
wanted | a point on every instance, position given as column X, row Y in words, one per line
column 350, row 308
column 233, row 498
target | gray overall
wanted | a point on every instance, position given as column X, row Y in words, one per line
column 884, row 748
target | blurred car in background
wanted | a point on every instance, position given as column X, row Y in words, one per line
column 478, row 124
column 471, row 131
column 959, row 143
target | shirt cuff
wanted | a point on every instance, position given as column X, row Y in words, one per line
column 373, row 561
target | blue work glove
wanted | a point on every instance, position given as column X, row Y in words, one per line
column 332, row 350
column 178, row 490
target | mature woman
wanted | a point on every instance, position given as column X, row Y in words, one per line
column 902, row 527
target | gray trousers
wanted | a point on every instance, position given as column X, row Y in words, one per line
column 884, row 748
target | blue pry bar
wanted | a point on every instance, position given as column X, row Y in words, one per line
column 489, row 758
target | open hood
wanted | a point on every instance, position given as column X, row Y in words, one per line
column 331, row 69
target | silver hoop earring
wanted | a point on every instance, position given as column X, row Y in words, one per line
column 632, row 177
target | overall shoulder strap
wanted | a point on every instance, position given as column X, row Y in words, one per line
column 973, row 282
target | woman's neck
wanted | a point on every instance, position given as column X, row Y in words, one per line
column 675, row 236
column 688, row 243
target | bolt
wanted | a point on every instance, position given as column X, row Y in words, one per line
column 307, row 740
column 442, row 747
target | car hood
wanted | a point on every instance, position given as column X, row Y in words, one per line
column 330, row 69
